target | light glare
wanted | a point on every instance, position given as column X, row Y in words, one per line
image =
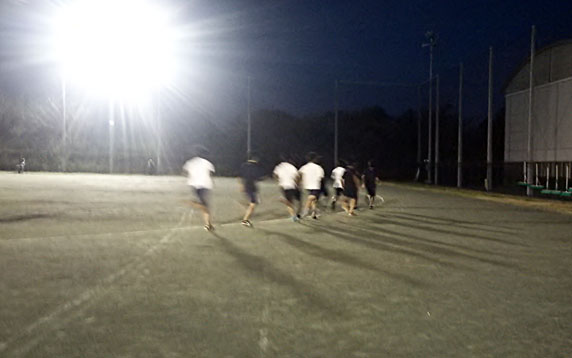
column 117, row 48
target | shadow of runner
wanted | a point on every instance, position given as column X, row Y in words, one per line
column 263, row 268
column 423, row 246
column 457, row 223
column 338, row 256
column 387, row 219
column 19, row 218
column 382, row 246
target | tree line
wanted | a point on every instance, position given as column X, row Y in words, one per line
column 34, row 129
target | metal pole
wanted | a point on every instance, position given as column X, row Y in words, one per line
column 429, row 125
column 460, row 133
column 336, row 104
column 529, row 191
column 111, row 135
column 419, row 160
column 437, row 131
column 64, row 125
column 490, row 126
column 159, row 135
column 248, row 134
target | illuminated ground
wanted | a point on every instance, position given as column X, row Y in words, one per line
column 116, row 266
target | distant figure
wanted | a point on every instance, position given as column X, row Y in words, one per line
column 288, row 177
column 312, row 175
column 250, row 173
column 200, row 173
column 21, row 165
column 370, row 180
column 151, row 168
column 337, row 175
column 351, row 184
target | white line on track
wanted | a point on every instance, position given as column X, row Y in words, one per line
column 83, row 298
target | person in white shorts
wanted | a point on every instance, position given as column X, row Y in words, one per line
column 312, row 175
column 337, row 175
column 288, row 178
column 200, row 171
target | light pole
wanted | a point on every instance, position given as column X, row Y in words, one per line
column 437, row 131
column 529, row 148
column 248, row 125
column 111, row 135
column 489, row 185
column 64, row 124
column 336, row 125
column 460, row 131
column 432, row 38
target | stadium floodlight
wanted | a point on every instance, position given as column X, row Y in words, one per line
column 121, row 49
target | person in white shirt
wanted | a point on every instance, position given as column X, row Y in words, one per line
column 200, row 173
column 337, row 175
column 288, row 178
column 312, row 175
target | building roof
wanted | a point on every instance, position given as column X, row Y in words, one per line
column 551, row 63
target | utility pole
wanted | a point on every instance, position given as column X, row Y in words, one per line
column 529, row 191
column 336, row 124
column 159, row 134
column 64, row 125
column 460, row 133
column 419, row 160
column 248, row 134
column 432, row 37
column 489, row 185
column 437, row 131
column 111, row 134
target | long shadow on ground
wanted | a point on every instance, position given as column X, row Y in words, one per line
column 377, row 231
column 427, row 219
column 351, row 236
column 412, row 223
column 262, row 267
column 338, row 256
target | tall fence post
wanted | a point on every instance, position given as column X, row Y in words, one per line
column 460, row 132
column 419, row 159
column 529, row 191
column 336, row 109
column 437, row 130
column 248, row 125
column 490, row 125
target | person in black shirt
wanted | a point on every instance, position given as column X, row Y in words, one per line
column 351, row 184
column 370, row 181
column 250, row 173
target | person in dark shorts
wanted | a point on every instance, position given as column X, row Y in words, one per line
column 312, row 174
column 370, row 180
column 288, row 177
column 351, row 184
column 250, row 173
column 200, row 180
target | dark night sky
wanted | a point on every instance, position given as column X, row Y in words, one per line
column 294, row 50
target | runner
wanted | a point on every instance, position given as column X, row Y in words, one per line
column 200, row 172
column 250, row 173
column 370, row 180
column 351, row 184
column 337, row 175
column 288, row 177
column 312, row 175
